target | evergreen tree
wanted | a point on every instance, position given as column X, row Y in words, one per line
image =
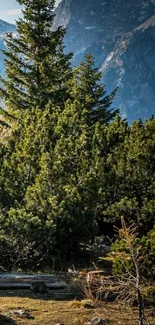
column 20, row 169
column 63, row 196
column 67, row 165
column 21, row 160
column 130, row 174
column 91, row 93
column 36, row 67
column 108, row 145
column 37, row 72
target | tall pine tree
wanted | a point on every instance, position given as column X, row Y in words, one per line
column 91, row 93
column 36, row 67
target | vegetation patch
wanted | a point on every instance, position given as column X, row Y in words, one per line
column 46, row 311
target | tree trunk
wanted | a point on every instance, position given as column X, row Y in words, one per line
column 140, row 307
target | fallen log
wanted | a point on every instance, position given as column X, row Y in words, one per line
column 26, row 281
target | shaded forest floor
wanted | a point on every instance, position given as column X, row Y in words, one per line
column 25, row 308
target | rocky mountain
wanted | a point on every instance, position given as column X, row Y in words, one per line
column 4, row 28
column 121, row 36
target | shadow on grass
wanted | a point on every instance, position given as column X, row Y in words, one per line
column 4, row 320
column 51, row 295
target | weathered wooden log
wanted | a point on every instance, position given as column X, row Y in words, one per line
column 60, row 285
column 26, row 281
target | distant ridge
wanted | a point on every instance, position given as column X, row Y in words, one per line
column 121, row 36
column 6, row 27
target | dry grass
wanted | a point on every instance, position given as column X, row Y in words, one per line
column 46, row 311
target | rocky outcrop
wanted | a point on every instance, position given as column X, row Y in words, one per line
column 4, row 28
column 121, row 36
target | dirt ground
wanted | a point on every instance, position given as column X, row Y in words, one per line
column 25, row 308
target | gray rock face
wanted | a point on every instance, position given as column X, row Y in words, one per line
column 4, row 28
column 121, row 36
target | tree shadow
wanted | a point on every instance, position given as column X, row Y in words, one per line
column 4, row 320
column 51, row 295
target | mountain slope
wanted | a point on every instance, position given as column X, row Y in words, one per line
column 4, row 28
column 121, row 36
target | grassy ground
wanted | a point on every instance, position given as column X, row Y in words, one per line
column 46, row 311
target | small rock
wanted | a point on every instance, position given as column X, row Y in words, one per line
column 97, row 321
column 23, row 313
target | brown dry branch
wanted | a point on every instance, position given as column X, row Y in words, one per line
column 128, row 288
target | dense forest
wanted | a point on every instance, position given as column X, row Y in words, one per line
column 70, row 166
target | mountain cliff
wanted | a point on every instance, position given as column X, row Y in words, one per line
column 121, row 36
column 4, row 28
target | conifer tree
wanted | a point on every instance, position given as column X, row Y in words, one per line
column 129, row 182
column 91, row 93
column 63, row 196
column 37, row 72
column 36, row 67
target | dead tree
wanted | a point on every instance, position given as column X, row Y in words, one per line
column 130, row 280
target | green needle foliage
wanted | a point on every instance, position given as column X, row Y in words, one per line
column 36, row 67
column 92, row 94
column 70, row 165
